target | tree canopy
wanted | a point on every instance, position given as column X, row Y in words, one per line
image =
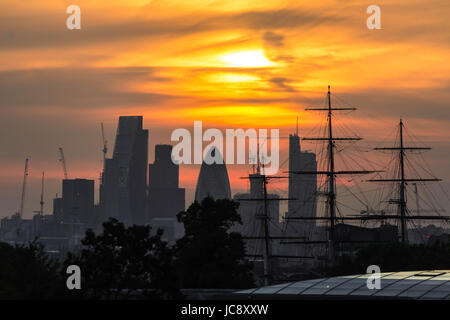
column 122, row 263
column 395, row 257
column 209, row 255
column 27, row 272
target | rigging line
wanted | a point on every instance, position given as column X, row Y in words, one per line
column 363, row 195
column 430, row 194
column 277, row 227
column 359, row 153
column 416, row 229
column 428, row 204
column 348, row 207
column 340, row 215
column 369, row 117
column 426, row 166
column 413, row 138
column 438, row 182
column 345, row 193
column 357, row 198
column 425, row 186
column 310, row 198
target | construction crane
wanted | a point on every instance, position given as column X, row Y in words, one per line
column 63, row 161
column 105, row 143
column 41, row 211
column 25, row 175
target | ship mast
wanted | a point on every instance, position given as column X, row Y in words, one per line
column 332, row 182
column 261, row 179
column 331, row 172
column 402, row 203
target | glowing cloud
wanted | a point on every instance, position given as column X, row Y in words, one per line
column 246, row 59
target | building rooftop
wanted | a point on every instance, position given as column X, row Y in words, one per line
column 421, row 285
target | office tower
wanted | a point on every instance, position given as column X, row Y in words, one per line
column 57, row 209
column 302, row 187
column 77, row 201
column 109, row 191
column 251, row 207
column 165, row 198
column 124, row 180
column 252, row 212
column 213, row 178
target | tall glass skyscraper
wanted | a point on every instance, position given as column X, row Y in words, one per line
column 124, row 181
column 302, row 187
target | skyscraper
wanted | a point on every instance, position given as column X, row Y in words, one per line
column 58, row 209
column 124, row 180
column 302, row 187
column 213, row 178
column 252, row 211
column 165, row 198
column 78, row 201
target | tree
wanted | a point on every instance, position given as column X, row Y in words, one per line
column 395, row 257
column 27, row 272
column 209, row 256
column 124, row 262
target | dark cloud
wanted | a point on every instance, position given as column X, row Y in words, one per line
column 417, row 103
column 78, row 88
column 282, row 84
column 22, row 32
column 286, row 58
column 273, row 39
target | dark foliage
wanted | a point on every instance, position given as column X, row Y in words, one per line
column 395, row 257
column 124, row 263
column 26, row 272
column 209, row 256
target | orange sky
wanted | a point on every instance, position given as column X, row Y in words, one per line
column 231, row 64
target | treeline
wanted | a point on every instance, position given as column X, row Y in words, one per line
column 395, row 256
column 133, row 262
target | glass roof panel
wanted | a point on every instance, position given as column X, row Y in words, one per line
column 444, row 277
column 432, row 273
column 364, row 291
column 411, row 284
column 271, row 289
column 396, row 288
column 401, row 275
column 348, row 287
column 248, row 291
column 298, row 287
column 420, row 289
column 366, row 275
column 438, row 292
column 327, row 285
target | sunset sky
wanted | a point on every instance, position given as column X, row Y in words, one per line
column 231, row 64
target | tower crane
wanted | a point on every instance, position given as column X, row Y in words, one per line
column 41, row 211
column 25, row 175
column 63, row 161
column 105, row 143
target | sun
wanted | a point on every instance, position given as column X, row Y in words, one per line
column 246, row 59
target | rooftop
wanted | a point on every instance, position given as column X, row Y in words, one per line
column 422, row 285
